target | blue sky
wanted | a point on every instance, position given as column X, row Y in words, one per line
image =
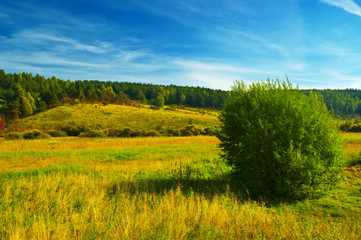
column 317, row 43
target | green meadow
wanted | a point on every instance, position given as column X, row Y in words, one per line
column 156, row 188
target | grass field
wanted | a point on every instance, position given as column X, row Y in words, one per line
column 119, row 116
column 155, row 188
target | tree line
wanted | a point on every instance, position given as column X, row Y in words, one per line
column 342, row 103
column 22, row 95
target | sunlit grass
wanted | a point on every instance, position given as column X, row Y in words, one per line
column 79, row 188
column 118, row 116
column 105, row 154
column 352, row 146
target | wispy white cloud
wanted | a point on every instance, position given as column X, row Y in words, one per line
column 39, row 37
column 347, row 5
column 130, row 56
column 218, row 74
column 45, row 59
column 215, row 66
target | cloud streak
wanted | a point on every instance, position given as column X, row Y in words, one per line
column 38, row 37
column 347, row 5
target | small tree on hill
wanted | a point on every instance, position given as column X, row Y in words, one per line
column 159, row 100
column 280, row 143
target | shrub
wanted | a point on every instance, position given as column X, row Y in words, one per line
column 280, row 143
column 346, row 126
column 32, row 134
column 57, row 133
column 126, row 132
column 43, row 136
column 115, row 132
column 13, row 135
column 192, row 130
column 74, row 130
column 153, row 133
column 355, row 128
column 172, row 132
column 138, row 133
column 212, row 131
column 351, row 126
column 93, row 134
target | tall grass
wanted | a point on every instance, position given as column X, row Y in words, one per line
column 71, row 188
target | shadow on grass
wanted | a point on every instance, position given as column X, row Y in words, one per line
column 224, row 184
column 207, row 187
column 221, row 185
column 354, row 160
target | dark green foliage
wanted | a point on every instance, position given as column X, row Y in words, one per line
column 57, row 133
column 280, row 143
column 32, row 134
column 159, row 101
column 93, row 134
column 343, row 103
column 153, row 133
column 44, row 136
column 114, row 132
column 138, row 133
column 13, row 135
column 172, row 132
column 126, row 132
column 351, row 126
column 74, row 130
column 212, row 131
column 355, row 128
column 26, row 107
column 192, row 130
column 346, row 126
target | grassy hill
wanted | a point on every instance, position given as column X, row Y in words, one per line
column 119, row 117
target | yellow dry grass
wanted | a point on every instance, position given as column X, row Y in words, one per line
column 81, row 207
column 113, row 154
column 79, row 188
column 352, row 143
column 74, row 143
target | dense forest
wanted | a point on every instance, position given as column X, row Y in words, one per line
column 23, row 94
column 344, row 103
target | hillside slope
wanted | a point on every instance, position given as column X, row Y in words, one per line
column 118, row 116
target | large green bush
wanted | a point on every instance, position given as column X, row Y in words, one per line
column 280, row 143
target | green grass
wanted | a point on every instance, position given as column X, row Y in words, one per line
column 152, row 188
